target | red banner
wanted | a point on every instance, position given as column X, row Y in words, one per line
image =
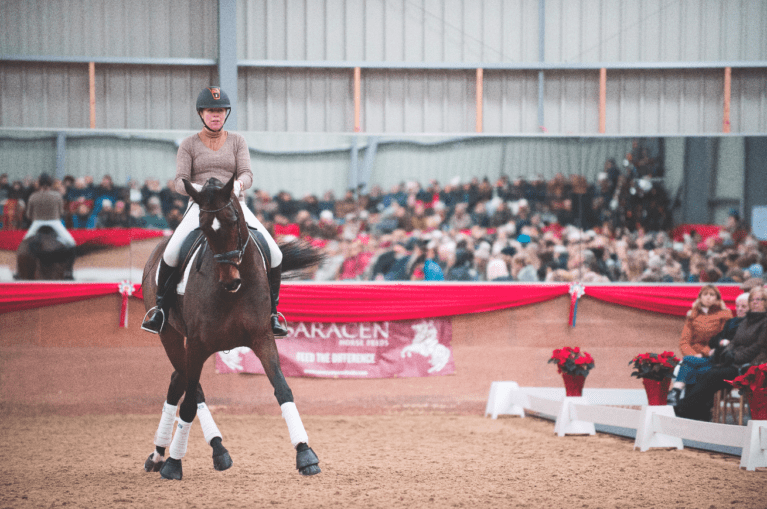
column 408, row 348
column 10, row 240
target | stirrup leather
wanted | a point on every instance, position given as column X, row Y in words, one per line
column 162, row 324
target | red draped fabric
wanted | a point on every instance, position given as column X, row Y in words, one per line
column 10, row 240
column 670, row 300
column 21, row 296
column 313, row 302
column 380, row 302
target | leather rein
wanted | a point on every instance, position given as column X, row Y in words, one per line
column 231, row 257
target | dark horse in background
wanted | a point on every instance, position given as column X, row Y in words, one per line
column 44, row 256
column 225, row 305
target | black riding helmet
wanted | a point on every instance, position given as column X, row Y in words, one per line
column 213, row 97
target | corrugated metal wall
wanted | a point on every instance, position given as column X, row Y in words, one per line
column 98, row 28
column 389, row 32
column 495, row 31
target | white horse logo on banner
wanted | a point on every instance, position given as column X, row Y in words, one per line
column 233, row 358
column 427, row 344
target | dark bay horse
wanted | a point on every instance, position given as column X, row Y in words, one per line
column 44, row 256
column 225, row 305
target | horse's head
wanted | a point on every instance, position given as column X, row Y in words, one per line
column 223, row 223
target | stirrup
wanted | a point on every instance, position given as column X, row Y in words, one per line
column 280, row 315
column 162, row 324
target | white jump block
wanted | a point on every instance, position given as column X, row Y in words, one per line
column 754, row 453
column 501, row 400
column 566, row 423
column 647, row 436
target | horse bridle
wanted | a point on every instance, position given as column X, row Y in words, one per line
column 229, row 257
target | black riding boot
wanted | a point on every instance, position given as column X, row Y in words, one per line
column 275, row 277
column 69, row 262
column 167, row 281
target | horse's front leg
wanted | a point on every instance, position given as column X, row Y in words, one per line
column 171, row 469
column 221, row 458
column 307, row 462
column 173, row 342
column 164, row 434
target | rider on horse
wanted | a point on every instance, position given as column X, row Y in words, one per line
column 46, row 208
column 213, row 152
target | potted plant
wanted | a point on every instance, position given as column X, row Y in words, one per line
column 656, row 371
column 574, row 366
column 753, row 385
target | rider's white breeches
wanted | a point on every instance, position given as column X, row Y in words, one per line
column 192, row 220
column 63, row 234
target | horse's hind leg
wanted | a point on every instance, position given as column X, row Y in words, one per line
column 221, row 458
column 307, row 462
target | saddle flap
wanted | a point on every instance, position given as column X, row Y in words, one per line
column 188, row 247
column 260, row 241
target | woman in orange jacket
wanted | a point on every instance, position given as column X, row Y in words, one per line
column 705, row 320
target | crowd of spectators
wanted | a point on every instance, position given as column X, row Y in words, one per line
column 618, row 228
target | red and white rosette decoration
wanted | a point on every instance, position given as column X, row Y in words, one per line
column 126, row 290
column 576, row 292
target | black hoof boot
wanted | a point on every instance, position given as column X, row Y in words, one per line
column 171, row 469
column 221, row 459
column 151, row 466
column 307, row 462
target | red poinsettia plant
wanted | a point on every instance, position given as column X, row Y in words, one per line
column 572, row 361
column 754, row 378
column 654, row 366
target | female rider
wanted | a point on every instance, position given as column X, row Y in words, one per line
column 212, row 152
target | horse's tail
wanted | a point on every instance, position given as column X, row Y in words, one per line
column 298, row 255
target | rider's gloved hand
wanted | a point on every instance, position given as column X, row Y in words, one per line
column 237, row 188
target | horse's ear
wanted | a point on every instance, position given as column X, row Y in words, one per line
column 229, row 187
column 191, row 191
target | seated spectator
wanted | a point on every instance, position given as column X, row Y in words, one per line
column 356, row 261
column 327, row 227
column 705, row 320
column 399, row 269
column 431, row 269
column 104, row 219
column 748, row 346
column 136, row 215
column 170, row 198
column 106, row 190
column 462, row 269
column 497, row 271
column 153, row 218
column 174, row 217
column 151, row 188
column 83, row 216
column 80, row 189
column 331, row 263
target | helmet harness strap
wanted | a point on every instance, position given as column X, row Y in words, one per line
column 229, row 111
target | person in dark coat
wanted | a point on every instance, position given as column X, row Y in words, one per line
column 748, row 346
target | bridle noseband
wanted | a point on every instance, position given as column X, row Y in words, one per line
column 231, row 257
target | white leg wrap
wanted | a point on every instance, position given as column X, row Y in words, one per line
column 180, row 439
column 164, row 434
column 295, row 426
column 209, row 428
